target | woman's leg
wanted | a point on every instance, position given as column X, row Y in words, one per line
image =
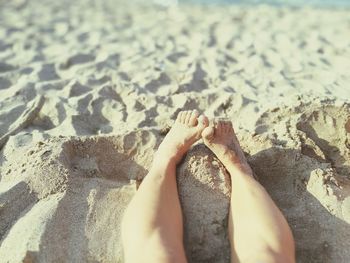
column 258, row 230
column 152, row 228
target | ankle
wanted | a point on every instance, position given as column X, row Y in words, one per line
column 161, row 161
column 238, row 169
column 168, row 155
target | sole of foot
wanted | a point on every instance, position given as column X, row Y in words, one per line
column 186, row 130
column 221, row 139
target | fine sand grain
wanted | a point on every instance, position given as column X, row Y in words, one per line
column 88, row 89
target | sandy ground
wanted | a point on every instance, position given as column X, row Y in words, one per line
column 88, row 89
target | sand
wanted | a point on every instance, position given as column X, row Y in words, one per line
column 88, row 90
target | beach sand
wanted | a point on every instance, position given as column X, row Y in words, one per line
column 88, row 89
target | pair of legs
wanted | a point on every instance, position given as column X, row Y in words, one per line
column 153, row 222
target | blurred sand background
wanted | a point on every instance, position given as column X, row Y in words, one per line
column 88, row 89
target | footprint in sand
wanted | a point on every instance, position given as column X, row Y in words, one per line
column 4, row 83
column 4, row 67
column 77, row 60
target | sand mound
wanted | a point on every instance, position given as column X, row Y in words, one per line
column 320, row 129
column 67, row 196
column 204, row 188
column 304, row 165
column 62, row 199
column 84, row 184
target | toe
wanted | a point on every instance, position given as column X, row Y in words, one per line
column 227, row 126
column 216, row 126
column 178, row 118
column 224, row 126
column 187, row 118
column 202, row 122
column 230, row 126
column 193, row 118
column 182, row 115
column 208, row 133
column 221, row 127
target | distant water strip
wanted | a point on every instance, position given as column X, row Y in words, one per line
column 319, row 3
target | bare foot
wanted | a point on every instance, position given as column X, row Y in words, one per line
column 186, row 130
column 221, row 139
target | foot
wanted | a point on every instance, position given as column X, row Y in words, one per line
column 186, row 130
column 221, row 139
